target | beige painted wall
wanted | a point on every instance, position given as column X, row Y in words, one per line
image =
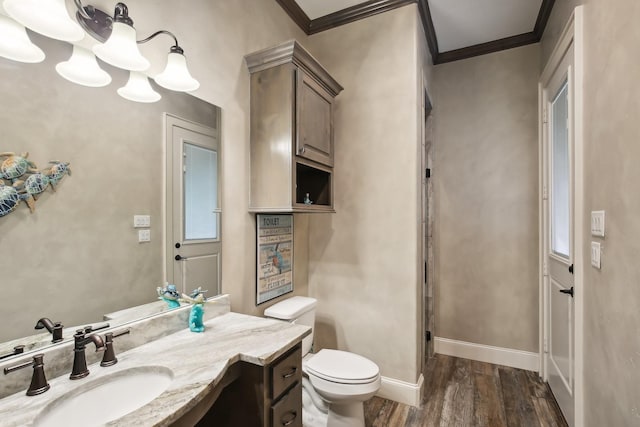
column 38, row 256
column 363, row 259
column 611, row 129
column 486, row 219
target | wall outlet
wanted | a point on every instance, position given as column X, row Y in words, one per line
column 595, row 254
column 142, row 221
column 597, row 223
column 144, row 236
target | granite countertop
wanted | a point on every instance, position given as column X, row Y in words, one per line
column 198, row 361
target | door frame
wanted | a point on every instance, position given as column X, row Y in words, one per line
column 573, row 33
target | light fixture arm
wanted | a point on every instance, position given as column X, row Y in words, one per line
column 175, row 48
column 87, row 12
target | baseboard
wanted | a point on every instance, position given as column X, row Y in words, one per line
column 401, row 391
column 486, row 353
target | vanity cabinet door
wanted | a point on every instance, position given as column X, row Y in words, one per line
column 314, row 127
column 287, row 412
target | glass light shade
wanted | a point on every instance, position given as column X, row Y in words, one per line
column 15, row 43
column 83, row 69
column 47, row 17
column 121, row 49
column 139, row 89
column 176, row 75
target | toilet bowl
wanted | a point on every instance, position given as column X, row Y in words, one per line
column 335, row 383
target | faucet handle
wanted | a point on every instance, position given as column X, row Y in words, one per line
column 19, row 349
column 109, row 358
column 91, row 328
column 39, row 382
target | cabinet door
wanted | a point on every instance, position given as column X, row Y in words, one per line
column 314, row 121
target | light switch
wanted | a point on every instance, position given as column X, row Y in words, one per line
column 597, row 223
column 141, row 221
column 144, row 236
column 595, row 254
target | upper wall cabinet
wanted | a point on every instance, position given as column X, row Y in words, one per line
column 291, row 131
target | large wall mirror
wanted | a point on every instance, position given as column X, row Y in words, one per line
column 77, row 257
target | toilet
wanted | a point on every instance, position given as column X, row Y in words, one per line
column 335, row 383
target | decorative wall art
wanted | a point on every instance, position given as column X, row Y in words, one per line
column 275, row 256
column 22, row 181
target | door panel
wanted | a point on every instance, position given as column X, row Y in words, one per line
column 560, row 337
column 314, row 122
column 201, row 271
column 559, row 237
column 193, row 206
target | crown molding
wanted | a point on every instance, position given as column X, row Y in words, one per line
column 374, row 7
column 355, row 13
column 341, row 17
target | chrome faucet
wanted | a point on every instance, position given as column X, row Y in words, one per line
column 79, row 357
column 54, row 328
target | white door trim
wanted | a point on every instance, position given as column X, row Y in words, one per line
column 573, row 33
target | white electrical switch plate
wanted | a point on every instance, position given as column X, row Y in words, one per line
column 597, row 223
column 141, row 221
column 144, row 236
column 595, row 254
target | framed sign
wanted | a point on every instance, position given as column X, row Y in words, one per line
column 275, row 256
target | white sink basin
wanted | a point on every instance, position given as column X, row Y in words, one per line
column 105, row 399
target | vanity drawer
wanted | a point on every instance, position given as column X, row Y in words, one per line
column 287, row 412
column 286, row 372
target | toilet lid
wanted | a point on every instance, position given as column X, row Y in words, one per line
column 342, row 367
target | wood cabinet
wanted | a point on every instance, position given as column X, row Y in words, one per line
column 292, row 148
column 285, row 397
column 252, row 395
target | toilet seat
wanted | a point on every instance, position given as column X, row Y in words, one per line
column 342, row 367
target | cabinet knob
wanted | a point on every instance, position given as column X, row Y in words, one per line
column 301, row 150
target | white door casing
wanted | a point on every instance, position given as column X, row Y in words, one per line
column 561, row 221
column 192, row 206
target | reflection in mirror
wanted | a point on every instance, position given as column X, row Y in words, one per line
column 200, row 192
column 77, row 257
column 193, row 214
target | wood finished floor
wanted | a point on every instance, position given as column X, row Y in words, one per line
column 466, row 393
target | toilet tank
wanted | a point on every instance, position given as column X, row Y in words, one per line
column 298, row 310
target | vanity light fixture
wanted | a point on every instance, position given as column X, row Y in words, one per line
column 47, row 17
column 118, row 46
column 83, row 69
column 139, row 89
column 15, row 43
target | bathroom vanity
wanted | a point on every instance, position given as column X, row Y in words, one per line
column 242, row 369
